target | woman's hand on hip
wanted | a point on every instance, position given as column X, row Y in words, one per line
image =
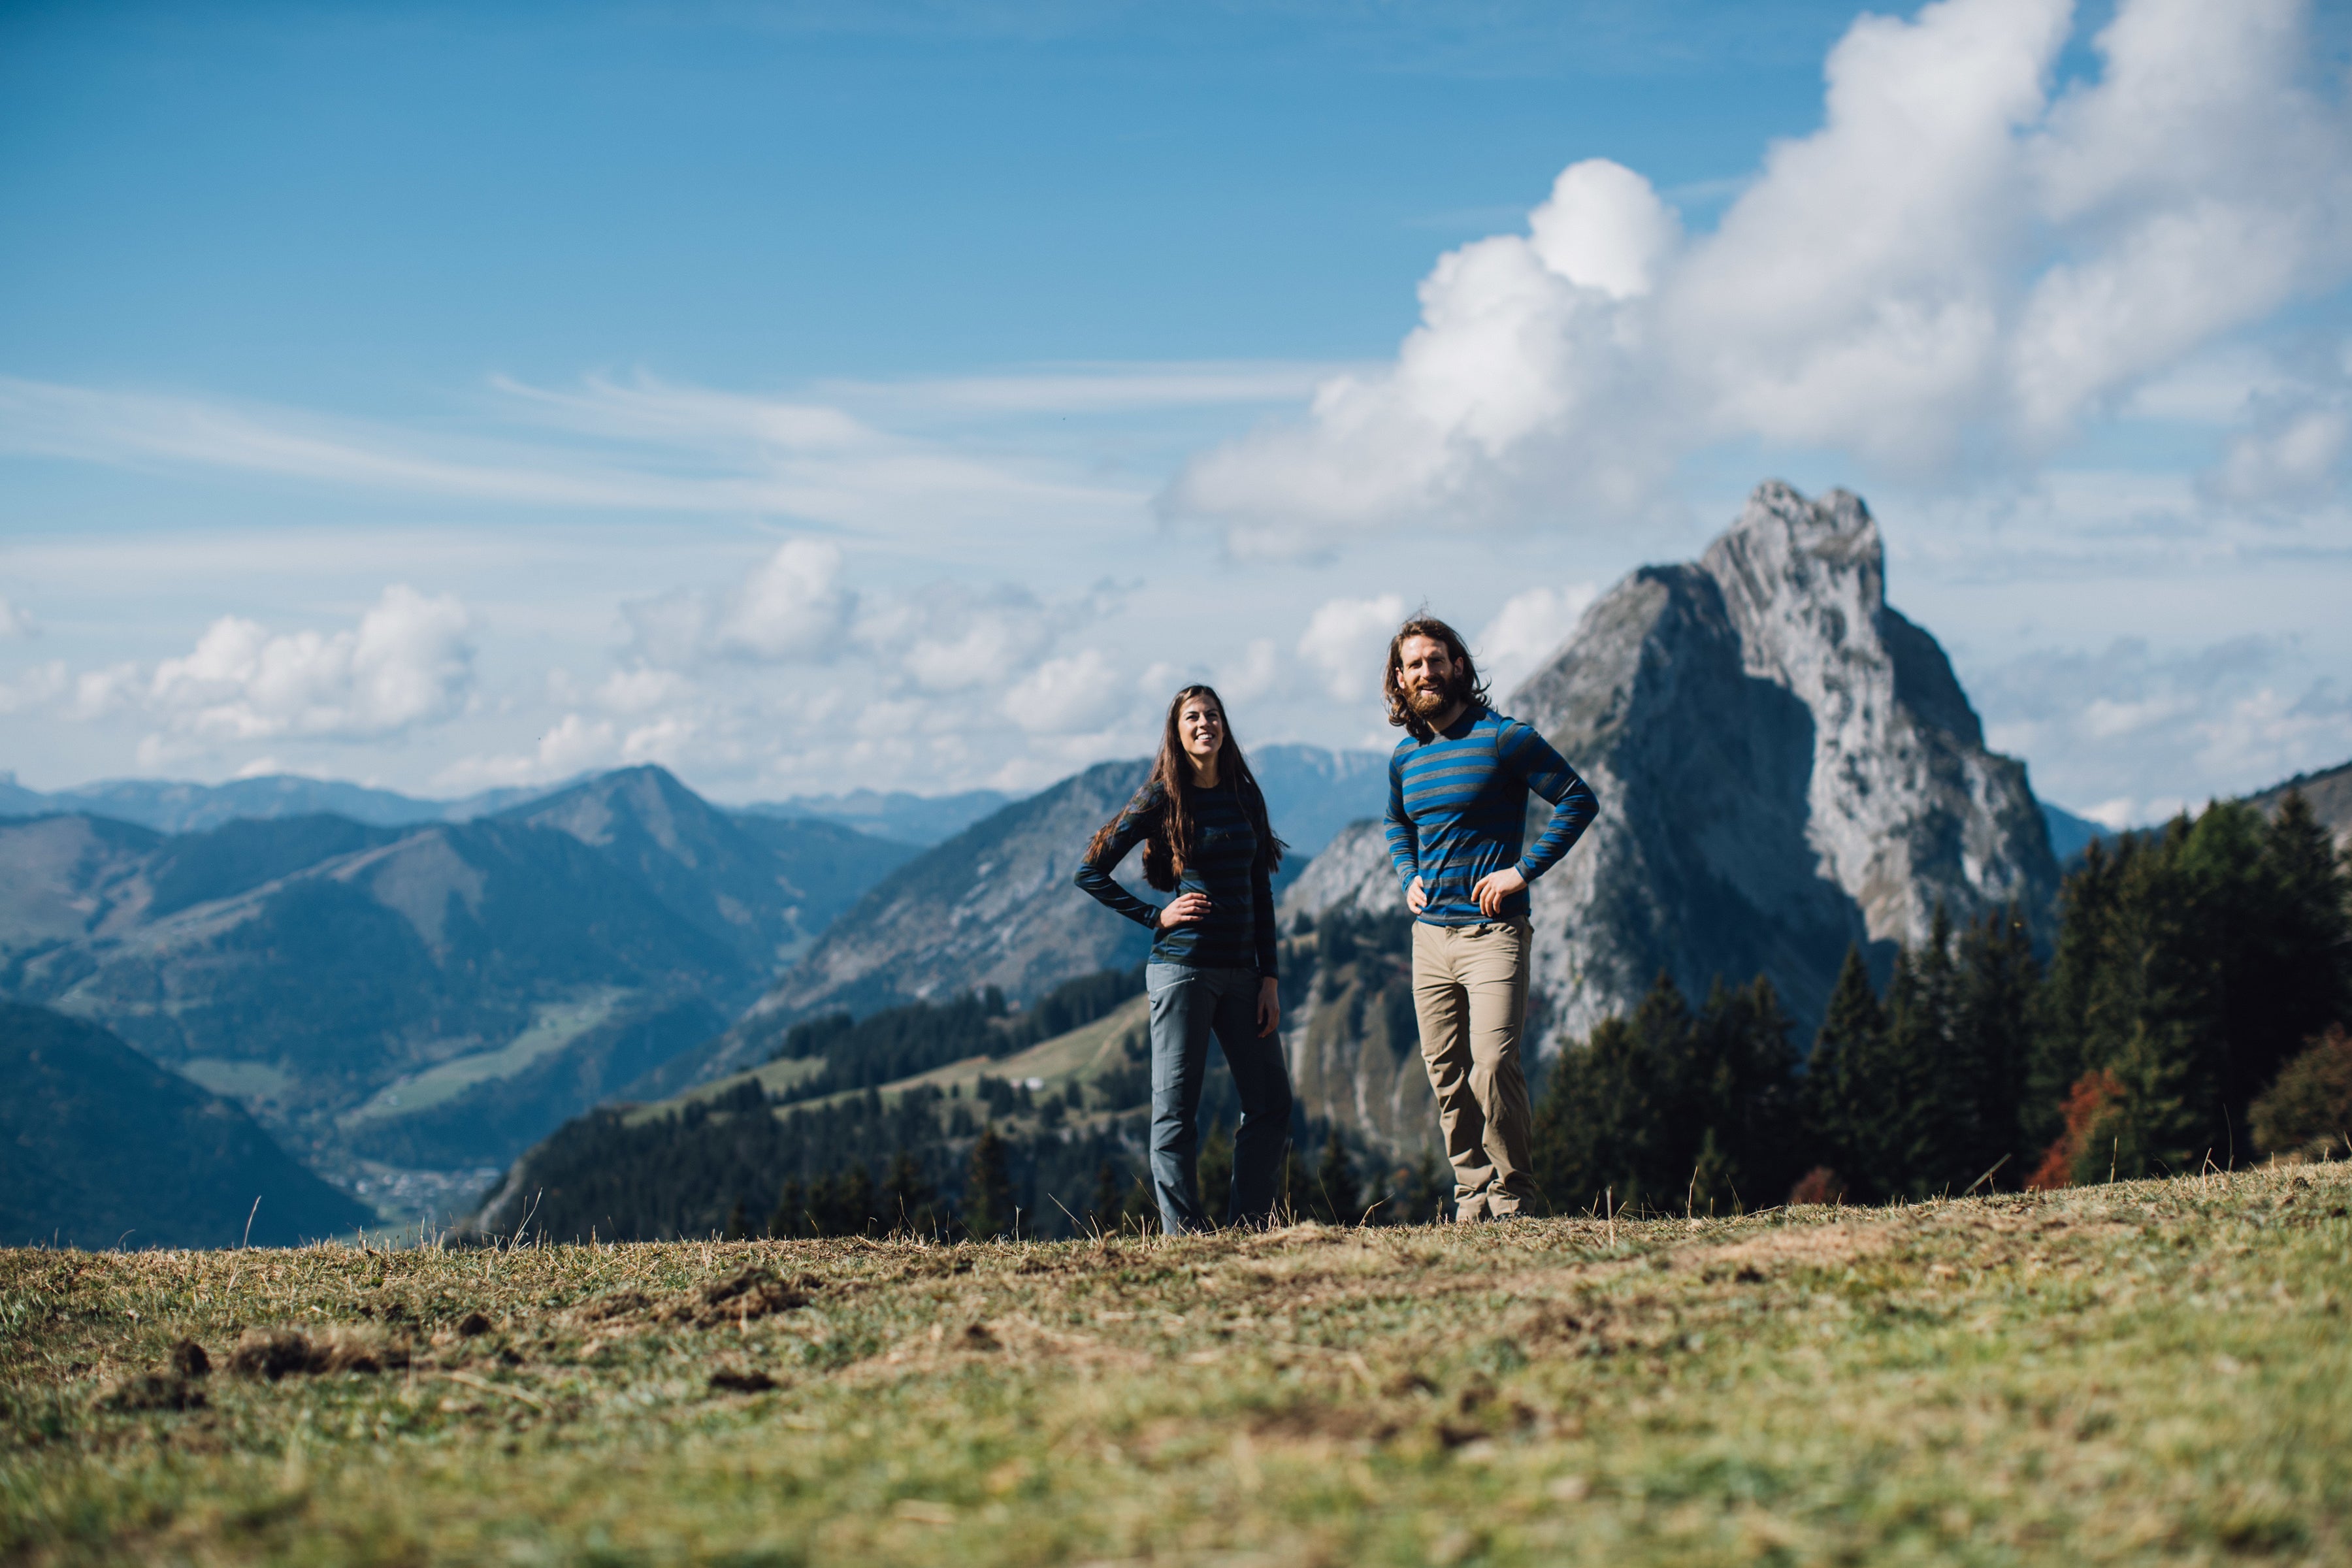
column 1185, row 911
column 1269, row 1005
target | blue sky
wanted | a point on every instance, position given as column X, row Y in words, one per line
column 815, row 395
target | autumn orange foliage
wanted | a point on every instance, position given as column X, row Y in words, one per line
column 2092, row 1094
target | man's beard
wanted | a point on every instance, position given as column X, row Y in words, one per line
column 1432, row 699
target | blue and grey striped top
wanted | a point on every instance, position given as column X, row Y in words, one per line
column 1458, row 810
column 1228, row 864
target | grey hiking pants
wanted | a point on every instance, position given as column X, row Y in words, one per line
column 1188, row 1006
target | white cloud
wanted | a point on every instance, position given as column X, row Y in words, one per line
column 792, row 606
column 573, row 744
column 950, row 638
column 1078, row 694
column 42, row 684
column 1954, row 267
column 2138, row 732
column 1348, row 640
column 639, row 690
column 409, row 661
column 101, row 693
column 2292, row 452
column 14, row 622
column 1258, row 673
column 1527, row 627
column 665, row 740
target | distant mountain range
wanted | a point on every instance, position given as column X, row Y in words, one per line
column 1326, row 790
column 179, row 806
column 910, row 818
column 2070, row 835
column 340, row 978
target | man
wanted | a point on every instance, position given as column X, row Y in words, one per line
column 1458, row 817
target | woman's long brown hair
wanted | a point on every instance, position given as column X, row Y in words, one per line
column 1168, row 845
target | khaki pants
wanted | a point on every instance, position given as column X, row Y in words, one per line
column 1470, row 990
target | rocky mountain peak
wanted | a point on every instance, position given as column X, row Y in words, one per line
column 1804, row 586
column 1785, row 765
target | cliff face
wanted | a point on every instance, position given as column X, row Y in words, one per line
column 1785, row 765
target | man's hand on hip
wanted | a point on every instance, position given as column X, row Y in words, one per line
column 1416, row 897
column 1493, row 888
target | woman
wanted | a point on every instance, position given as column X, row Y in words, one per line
column 1203, row 825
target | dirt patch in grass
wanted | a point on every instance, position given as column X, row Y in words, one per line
column 273, row 1353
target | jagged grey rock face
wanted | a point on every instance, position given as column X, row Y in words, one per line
column 1351, row 874
column 1785, row 765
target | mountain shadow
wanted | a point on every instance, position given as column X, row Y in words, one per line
column 100, row 1146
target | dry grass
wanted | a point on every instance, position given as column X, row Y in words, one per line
column 2151, row 1371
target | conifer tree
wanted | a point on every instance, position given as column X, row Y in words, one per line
column 1139, row 1211
column 1943, row 1065
column 1338, row 1200
column 1992, row 1032
column 823, row 1207
column 1103, row 1211
column 854, row 1193
column 1846, row 1046
column 907, row 1197
column 791, row 1216
column 2168, row 1045
column 2303, row 979
column 2060, row 1051
column 1577, row 1133
column 1290, row 1197
column 1741, row 1103
column 988, row 1188
column 2149, row 1007
column 1903, row 1087
column 1427, row 1191
column 1715, row 1183
column 1652, row 1107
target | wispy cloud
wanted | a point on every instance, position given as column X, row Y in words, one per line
column 642, row 444
column 1096, row 388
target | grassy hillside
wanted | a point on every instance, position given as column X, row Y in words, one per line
column 2153, row 1372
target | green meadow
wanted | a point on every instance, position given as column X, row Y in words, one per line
column 2144, row 1371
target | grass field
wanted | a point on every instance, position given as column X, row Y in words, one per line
column 2130, row 1373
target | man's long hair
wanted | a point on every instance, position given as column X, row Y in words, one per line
column 1168, row 847
column 1467, row 684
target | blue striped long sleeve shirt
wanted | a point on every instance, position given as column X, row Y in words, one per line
column 1458, row 810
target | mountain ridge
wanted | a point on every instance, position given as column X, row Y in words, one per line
column 306, row 965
